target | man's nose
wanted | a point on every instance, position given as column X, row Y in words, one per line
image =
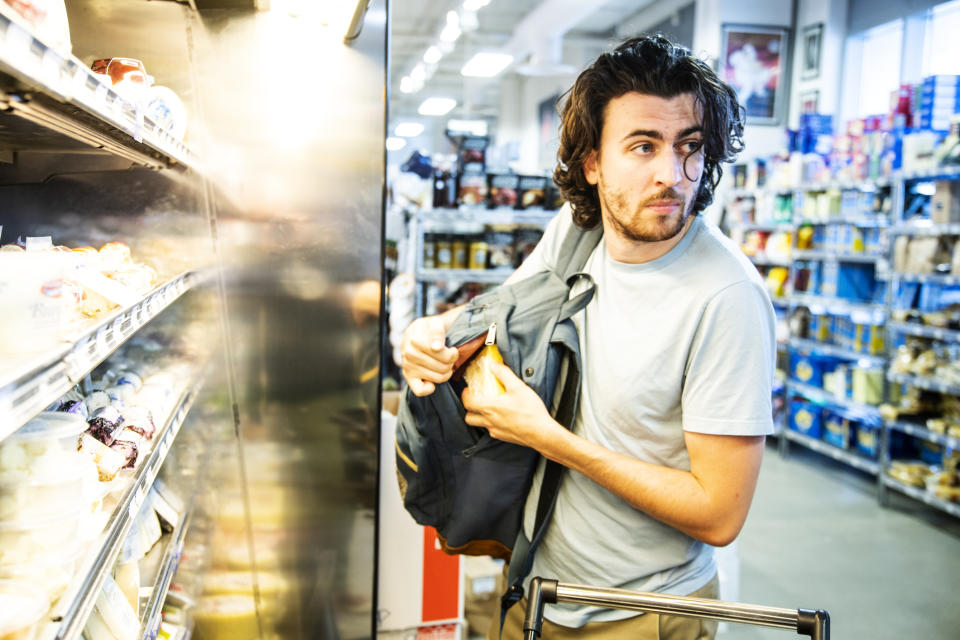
column 669, row 168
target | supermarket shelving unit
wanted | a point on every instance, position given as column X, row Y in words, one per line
column 420, row 220
column 52, row 102
column 892, row 225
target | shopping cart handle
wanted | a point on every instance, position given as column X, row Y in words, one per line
column 806, row 622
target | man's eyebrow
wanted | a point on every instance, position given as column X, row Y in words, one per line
column 656, row 135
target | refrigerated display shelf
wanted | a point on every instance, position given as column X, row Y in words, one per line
column 464, row 275
column 923, row 496
column 926, row 331
column 38, row 381
column 59, row 93
column 70, row 614
column 820, row 396
column 934, row 173
column 840, row 455
column 813, row 346
column 837, row 256
column 151, row 618
column 481, row 215
column 922, row 432
column 924, row 382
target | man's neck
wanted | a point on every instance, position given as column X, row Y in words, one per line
column 630, row 251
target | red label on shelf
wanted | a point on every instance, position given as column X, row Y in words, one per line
column 441, row 580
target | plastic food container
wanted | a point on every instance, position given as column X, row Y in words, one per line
column 22, row 607
column 32, row 539
column 51, row 574
column 49, row 427
column 24, row 494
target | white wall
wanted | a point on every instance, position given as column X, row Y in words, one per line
column 833, row 15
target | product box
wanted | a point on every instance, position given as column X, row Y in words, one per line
column 502, row 190
column 836, row 429
column 531, row 192
column 931, row 452
column 847, row 281
column 806, row 368
column 945, row 203
column 868, row 439
column 471, row 156
column 805, row 418
column 472, row 189
column 822, row 327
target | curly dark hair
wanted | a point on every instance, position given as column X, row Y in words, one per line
column 651, row 65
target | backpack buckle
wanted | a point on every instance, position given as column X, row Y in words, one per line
column 512, row 596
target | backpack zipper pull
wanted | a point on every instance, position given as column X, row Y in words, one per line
column 491, row 335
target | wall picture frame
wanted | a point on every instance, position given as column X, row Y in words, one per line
column 811, row 51
column 754, row 60
column 810, row 101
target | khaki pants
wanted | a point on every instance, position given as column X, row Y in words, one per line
column 647, row 626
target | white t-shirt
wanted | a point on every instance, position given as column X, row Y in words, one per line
column 685, row 342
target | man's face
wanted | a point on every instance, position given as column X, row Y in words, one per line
column 650, row 148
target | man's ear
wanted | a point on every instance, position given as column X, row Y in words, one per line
column 590, row 171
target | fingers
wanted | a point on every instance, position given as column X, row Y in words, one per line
column 426, row 359
column 505, row 375
column 420, row 387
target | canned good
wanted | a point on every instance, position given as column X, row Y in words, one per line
column 429, row 251
column 478, row 253
column 459, row 247
column 444, row 250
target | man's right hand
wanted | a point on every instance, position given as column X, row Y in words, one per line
column 427, row 361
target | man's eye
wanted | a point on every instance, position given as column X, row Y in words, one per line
column 644, row 147
column 692, row 146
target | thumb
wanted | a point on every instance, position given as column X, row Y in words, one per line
column 505, row 375
column 437, row 333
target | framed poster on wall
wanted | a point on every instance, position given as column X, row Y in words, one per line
column 812, row 45
column 754, row 60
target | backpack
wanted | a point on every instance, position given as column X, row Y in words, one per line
column 457, row 478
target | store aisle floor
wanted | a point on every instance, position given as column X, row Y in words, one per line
column 816, row 537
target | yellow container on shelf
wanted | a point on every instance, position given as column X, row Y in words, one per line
column 868, row 386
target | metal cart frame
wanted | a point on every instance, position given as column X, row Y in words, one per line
column 806, row 622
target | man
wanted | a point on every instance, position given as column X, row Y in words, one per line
column 677, row 344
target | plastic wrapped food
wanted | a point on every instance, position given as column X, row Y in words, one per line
column 226, row 617
column 22, row 605
column 479, row 375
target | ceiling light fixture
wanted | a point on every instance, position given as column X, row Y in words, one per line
column 474, row 5
column 432, row 55
column 451, row 31
column 395, row 144
column 406, row 85
column 486, row 64
column 437, row 106
column 408, row 129
column 473, row 127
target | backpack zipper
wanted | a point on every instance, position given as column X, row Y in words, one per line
column 491, row 335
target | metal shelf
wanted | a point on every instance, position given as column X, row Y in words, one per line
column 917, row 431
column 58, row 93
column 464, row 275
column 818, row 254
column 936, row 173
column 930, row 384
column 926, row 331
column 928, row 229
column 836, row 306
column 766, row 226
column 820, row 396
column 922, row 495
column 768, row 262
column 857, row 221
column 923, row 278
column 834, row 350
column 481, row 215
column 840, row 455
column 70, row 613
column 31, row 386
column 150, row 620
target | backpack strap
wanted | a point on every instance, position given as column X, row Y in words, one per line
column 576, row 249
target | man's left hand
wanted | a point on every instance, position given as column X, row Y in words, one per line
column 518, row 416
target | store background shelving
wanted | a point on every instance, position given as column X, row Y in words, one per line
column 881, row 306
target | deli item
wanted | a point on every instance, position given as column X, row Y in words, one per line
column 226, row 617
column 108, row 461
column 22, row 606
column 30, row 539
column 479, row 375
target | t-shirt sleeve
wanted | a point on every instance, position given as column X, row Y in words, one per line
column 544, row 255
column 730, row 366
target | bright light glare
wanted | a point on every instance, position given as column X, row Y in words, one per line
column 473, row 5
column 418, row 73
column 406, row 84
column 395, row 144
column 437, row 106
column 432, row 55
column 408, row 129
column 450, row 33
column 473, row 127
column 486, row 65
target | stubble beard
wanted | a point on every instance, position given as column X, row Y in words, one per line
column 615, row 204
